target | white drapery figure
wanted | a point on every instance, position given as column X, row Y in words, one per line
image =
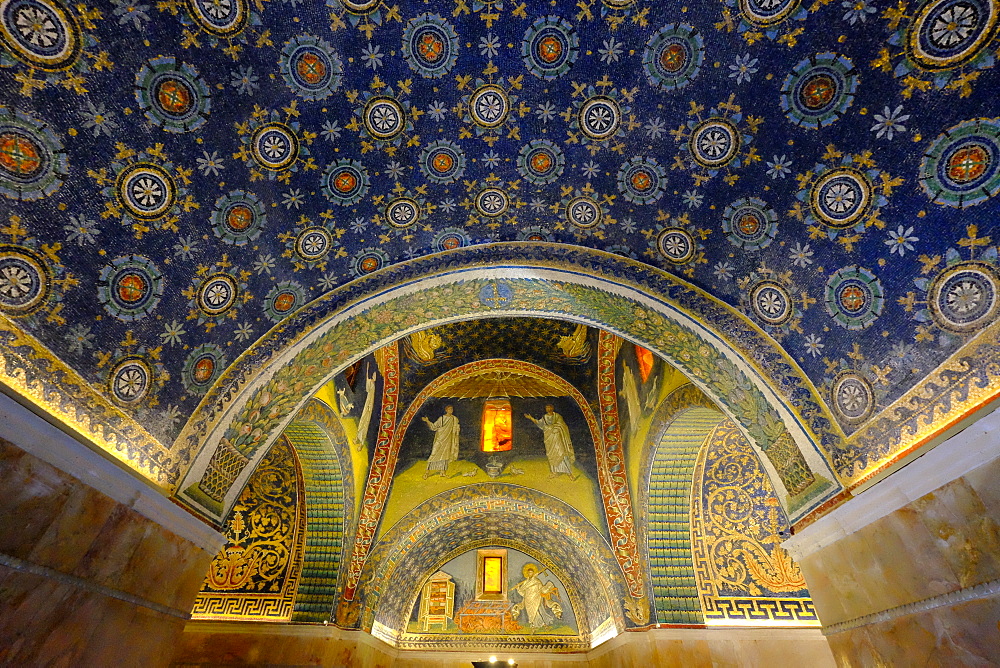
column 558, row 446
column 445, row 448
column 630, row 392
column 366, row 412
column 537, row 598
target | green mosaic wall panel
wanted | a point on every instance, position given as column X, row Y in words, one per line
column 675, row 590
column 324, row 487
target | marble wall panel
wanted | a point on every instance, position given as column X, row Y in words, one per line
column 84, row 579
column 925, row 555
column 959, row 635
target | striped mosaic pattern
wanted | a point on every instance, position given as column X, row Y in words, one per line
column 324, row 492
column 675, row 590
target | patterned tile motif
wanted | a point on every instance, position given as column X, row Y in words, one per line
column 324, row 538
column 257, row 573
column 675, row 590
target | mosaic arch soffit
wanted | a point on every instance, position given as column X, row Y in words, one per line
column 561, row 531
column 722, row 351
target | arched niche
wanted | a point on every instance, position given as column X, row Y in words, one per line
column 487, row 512
column 566, row 391
column 506, row 635
column 729, row 358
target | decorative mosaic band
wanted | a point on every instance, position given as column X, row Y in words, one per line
column 40, row 378
column 381, row 470
column 494, row 507
column 611, row 470
column 762, row 610
column 255, row 576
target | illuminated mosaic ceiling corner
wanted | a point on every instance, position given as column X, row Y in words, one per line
column 180, row 176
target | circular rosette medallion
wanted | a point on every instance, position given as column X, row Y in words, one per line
column 345, row 182
column 238, row 217
column 450, row 238
column 32, row 160
column 202, row 367
column 402, row 212
column 310, row 67
column 600, row 117
column 430, row 46
column 369, row 260
column 384, row 118
column 841, row 198
column 534, row 233
column 217, row 294
column 771, row 303
column 283, row 298
column 224, row 19
column 146, row 191
column 963, row 297
column 676, row 245
column 714, row 143
column 819, row 90
column 541, row 161
column 25, row 280
column 130, row 381
column 673, row 56
column 492, row 202
column 946, row 34
column 962, row 166
column 584, row 212
column 642, row 180
column 274, row 146
column 854, row 298
column 489, row 106
column 442, row 162
column 360, row 7
column 313, row 243
column 40, row 33
column 550, row 47
column 130, row 287
column 766, row 13
column 750, row 224
column 172, row 95
column 853, row 398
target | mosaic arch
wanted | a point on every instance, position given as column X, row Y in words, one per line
column 617, row 503
column 486, row 512
column 726, row 355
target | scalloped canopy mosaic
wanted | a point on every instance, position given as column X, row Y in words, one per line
column 178, row 176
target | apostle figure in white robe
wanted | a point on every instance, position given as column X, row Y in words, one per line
column 366, row 412
column 558, row 446
column 445, row 448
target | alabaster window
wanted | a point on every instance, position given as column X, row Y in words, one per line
column 497, row 433
column 491, row 575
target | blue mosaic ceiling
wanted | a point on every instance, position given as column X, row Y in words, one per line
column 177, row 176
